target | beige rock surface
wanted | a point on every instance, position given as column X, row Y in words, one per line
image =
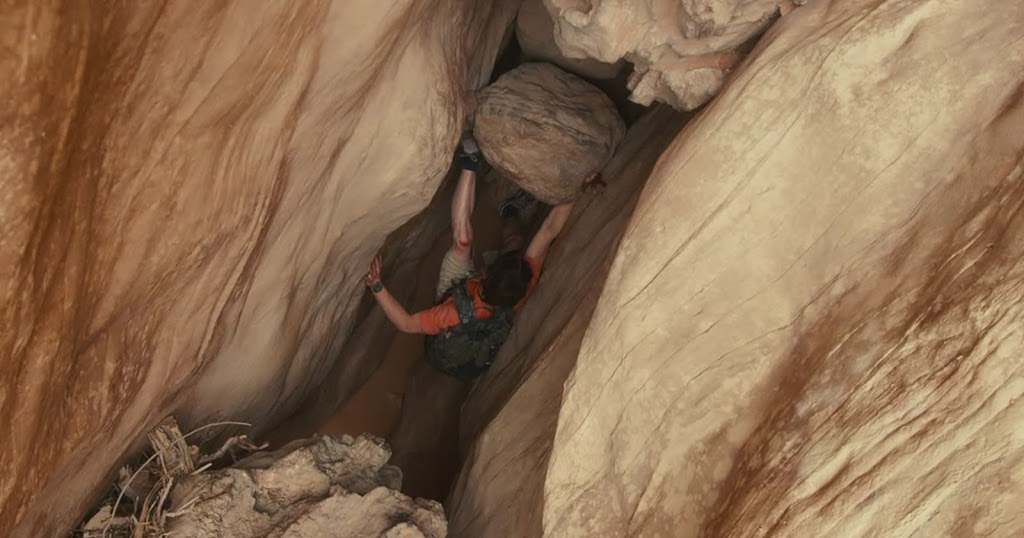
column 546, row 129
column 681, row 50
column 318, row 488
column 812, row 325
column 190, row 195
column 535, row 32
column 404, row 252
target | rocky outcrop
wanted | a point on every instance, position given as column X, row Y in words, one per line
column 546, row 130
column 191, row 196
column 317, row 488
column 681, row 50
column 811, row 326
column 535, row 32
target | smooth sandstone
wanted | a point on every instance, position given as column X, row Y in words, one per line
column 190, row 197
column 812, row 324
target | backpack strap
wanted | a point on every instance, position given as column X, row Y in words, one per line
column 502, row 312
column 463, row 303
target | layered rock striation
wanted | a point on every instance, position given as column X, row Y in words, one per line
column 191, row 195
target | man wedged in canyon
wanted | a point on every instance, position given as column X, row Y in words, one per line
column 473, row 313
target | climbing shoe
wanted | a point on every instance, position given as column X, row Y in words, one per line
column 469, row 152
column 516, row 204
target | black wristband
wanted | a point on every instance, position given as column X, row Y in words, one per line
column 377, row 287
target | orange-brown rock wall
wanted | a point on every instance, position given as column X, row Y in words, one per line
column 190, row 195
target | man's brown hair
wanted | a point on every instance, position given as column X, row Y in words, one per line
column 506, row 280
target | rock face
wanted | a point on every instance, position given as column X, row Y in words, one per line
column 812, row 324
column 681, row 50
column 404, row 253
column 809, row 325
column 190, row 197
column 546, row 130
column 535, row 32
column 320, row 488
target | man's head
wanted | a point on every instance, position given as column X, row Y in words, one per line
column 506, row 280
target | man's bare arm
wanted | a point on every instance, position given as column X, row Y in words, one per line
column 395, row 312
column 462, row 214
column 549, row 230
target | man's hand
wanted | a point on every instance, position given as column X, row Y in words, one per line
column 395, row 312
column 373, row 275
column 593, row 182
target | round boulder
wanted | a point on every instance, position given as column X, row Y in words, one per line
column 546, row 130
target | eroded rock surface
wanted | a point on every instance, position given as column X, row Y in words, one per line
column 318, row 488
column 812, row 325
column 191, row 195
column 681, row 50
column 536, row 34
column 546, row 130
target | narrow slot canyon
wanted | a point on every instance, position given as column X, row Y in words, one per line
column 417, row 409
column 789, row 305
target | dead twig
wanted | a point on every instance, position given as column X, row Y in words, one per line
column 242, row 441
column 164, row 443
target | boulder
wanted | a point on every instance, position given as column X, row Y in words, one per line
column 535, row 32
column 681, row 51
column 319, row 488
column 546, row 130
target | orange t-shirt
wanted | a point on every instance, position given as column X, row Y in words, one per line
column 440, row 317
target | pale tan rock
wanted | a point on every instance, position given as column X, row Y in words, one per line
column 381, row 512
column 535, row 33
column 403, row 530
column 303, row 493
column 682, row 50
column 404, row 253
column 191, row 194
column 812, row 325
column 546, row 130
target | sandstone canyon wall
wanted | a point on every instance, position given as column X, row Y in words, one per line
column 812, row 324
column 190, row 195
column 809, row 326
